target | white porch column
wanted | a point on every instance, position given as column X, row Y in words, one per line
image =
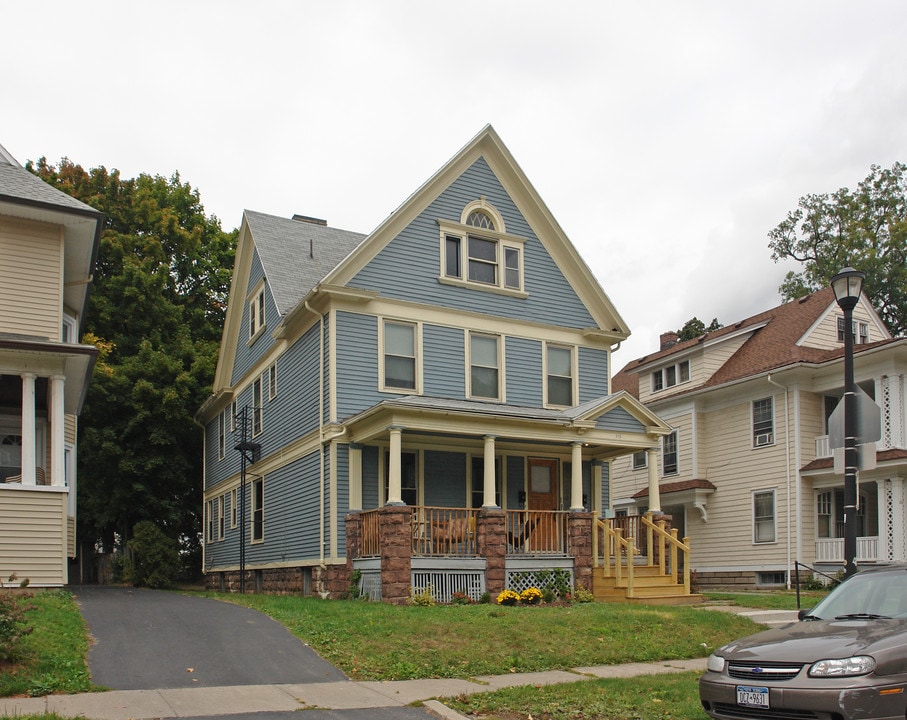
column 57, row 432
column 355, row 479
column 29, row 442
column 394, row 481
column 488, row 474
column 576, row 477
column 654, row 491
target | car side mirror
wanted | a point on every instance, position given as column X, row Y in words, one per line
column 803, row 613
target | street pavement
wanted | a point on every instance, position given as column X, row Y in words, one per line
column 171, row 656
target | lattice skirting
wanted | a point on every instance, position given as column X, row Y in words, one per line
column 444, row 583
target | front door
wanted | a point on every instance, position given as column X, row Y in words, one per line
column 543, row 495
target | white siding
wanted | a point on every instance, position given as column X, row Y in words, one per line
column 31, row 284
column 34, row 539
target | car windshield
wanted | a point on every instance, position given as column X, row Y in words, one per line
column 866, row 595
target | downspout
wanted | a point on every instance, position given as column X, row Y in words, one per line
column 320, row 433
column 787, row 470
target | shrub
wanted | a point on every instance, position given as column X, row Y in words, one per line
column 508, row 597
column 460, row 598
column 12, row 625
column 583, row 595
column 155, row 557
column 423, row 597
column 531, row 596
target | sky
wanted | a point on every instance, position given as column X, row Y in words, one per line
column 667, row 138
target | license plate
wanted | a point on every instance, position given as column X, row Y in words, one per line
column 752, row 696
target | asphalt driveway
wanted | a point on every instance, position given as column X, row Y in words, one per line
column 149, row 639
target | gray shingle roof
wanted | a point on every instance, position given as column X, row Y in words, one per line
column 297, row 255
column 18, row 184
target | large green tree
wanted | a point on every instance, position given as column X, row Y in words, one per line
column 694, row 327
column 156, row 312
column 865, row 229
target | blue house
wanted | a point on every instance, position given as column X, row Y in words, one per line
column 424, row 407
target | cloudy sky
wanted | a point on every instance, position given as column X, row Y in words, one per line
column 667, row 138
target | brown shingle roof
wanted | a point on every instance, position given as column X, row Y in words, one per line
column 666, row 488
column 772, row 345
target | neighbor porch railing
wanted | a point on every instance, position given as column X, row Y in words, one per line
column 832, row 549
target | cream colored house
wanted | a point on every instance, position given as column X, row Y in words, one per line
column 747, row 473
column 48, row 245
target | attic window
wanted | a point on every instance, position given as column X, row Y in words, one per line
column 478, row 253
column 256, row 312
column 671, row 375
column 480, row 219
column 860, row 331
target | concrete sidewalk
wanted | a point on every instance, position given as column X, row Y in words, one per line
column 341, row 695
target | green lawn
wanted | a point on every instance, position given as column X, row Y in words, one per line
column 375, row 641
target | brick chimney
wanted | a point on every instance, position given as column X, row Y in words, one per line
column 667, row 339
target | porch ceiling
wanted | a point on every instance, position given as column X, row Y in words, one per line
column 74, row 362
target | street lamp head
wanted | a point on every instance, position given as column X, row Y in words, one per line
column 848, row 284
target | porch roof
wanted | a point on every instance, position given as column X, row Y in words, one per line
column 447, row 416
column 882, row 456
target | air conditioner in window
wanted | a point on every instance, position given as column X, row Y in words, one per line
column 763, row 439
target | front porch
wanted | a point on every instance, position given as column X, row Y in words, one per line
column 397, row 551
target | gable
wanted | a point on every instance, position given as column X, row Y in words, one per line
column 408, row 267
column 823, row 333
column 485, row 168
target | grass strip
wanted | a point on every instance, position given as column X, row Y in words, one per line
column 52, row 657
column 649, row 697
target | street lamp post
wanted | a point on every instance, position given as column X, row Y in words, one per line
column 847, row 285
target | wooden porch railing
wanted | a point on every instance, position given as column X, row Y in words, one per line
column 612, row 552
column 537, row 532
column 668, row 546
column 443, row 531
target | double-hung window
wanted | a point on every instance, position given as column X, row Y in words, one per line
column 484, row 366
column 271, row 376
column 256, row 312
column 234, row 509
column 256, row 407
column 763, row 422
column 640, row 460
column 221, row 516
column 669, row 454
column 222, row 435
column 764, row 516
column 258, row 510
column 209, row 506
column 559, row 361
column 400, row 362
column 859, row 329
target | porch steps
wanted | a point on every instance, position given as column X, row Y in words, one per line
column 650, row 587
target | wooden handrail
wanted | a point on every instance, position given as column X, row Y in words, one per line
column 623, row 547
column 668, row 539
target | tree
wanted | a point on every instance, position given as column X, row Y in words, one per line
column 865, row 229
column 694, row 327
column 156, row 313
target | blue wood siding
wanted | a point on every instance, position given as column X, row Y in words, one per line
column 593, row 373
column 524, row 371
column 408, row 267
column 445, row 478
column 444, row 361
column 247, row 355
column 343, row 495
column 357, row 363
column 620, row 420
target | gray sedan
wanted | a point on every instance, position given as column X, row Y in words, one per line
column 845, row 660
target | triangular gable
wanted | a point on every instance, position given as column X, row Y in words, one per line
column 817, row 334
column 617, row 407
column 488, row 146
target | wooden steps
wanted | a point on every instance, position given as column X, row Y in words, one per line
column 649, row 587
